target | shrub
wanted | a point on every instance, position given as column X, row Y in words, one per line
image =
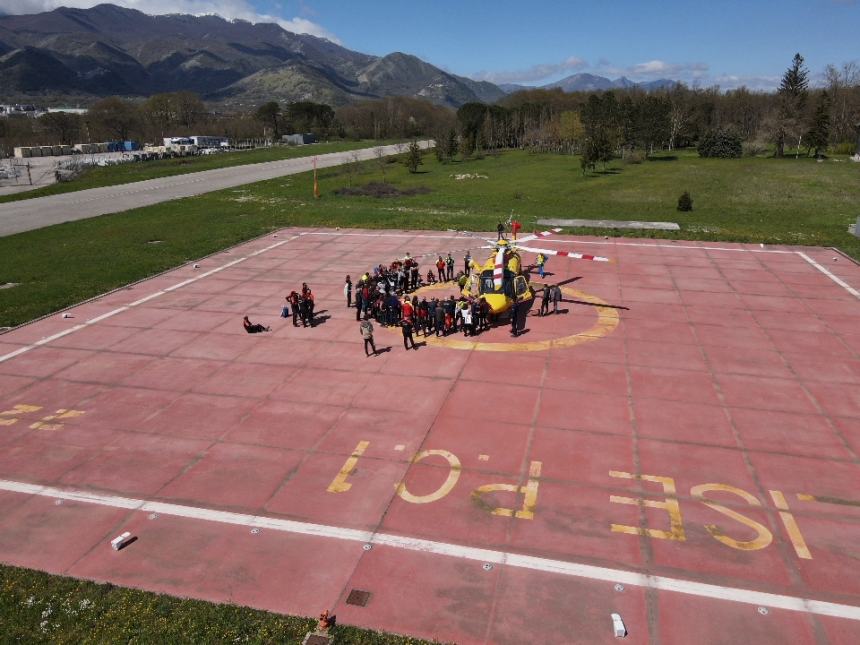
column 633, row 157
column 380, row 189
column 754, row 149
column 844, row 148
column 723, row 144
column 685, row 202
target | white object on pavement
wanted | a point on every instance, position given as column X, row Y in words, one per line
column 618, row 626
column 120, row 540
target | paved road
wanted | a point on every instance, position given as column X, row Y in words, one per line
column 30, row 214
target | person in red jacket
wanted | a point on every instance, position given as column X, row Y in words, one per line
column 515, row 228
column 407, row 311
column 293, row 299
column 256, row 329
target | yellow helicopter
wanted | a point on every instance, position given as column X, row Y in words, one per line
column 501, row 278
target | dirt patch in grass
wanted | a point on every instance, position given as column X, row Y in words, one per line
column 381, row 189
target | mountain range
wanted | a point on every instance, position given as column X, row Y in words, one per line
column 108, row 50
column 592, row 83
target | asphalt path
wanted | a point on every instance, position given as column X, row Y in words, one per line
column 31, row 214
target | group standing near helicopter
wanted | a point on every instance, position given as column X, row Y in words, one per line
column 499, row 286
column 386, row 294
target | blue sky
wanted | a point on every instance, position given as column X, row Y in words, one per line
column 725, row 42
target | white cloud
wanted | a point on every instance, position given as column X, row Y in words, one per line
column 734, row 81
column 229, row 9
column 654, row 69
column 533, row 73
column 647, row 71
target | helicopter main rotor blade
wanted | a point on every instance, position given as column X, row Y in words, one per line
column 534, row 236
column 470, row 234
column 559, row 284
column 566, row 254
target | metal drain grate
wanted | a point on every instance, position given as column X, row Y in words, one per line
column 358, row 597
column 316, row 639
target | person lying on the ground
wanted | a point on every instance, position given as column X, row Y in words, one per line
column 252, row 328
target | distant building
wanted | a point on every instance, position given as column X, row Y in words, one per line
column 67, row 110
column 209, row 142
column 20, row 109
column 178, row 141
column 299, row 139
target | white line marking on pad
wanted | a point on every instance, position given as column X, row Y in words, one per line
column 119, row 310
column 561, row 567
column 830, row 275
column 667, row 246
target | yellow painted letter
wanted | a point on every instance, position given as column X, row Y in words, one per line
column 764, row 537
column 670, row 505
column 529, row 491
column 444, row 489
column 339, row 483
column 791, row 526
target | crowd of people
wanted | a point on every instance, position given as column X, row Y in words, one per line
column 383, row 295
column 386, row 295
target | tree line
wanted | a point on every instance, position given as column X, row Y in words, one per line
column 184, row 113
column 795, row 118
column 601, row 125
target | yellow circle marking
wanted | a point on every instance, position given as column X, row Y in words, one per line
column 607, row 321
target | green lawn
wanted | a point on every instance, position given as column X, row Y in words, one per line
column 98, row 176
column 748, row 200
column 39, row 608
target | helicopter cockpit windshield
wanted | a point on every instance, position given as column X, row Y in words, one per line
column 488, row 285
column 487, row 282
column 520, row 286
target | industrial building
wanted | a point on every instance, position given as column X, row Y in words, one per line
column 299, row 139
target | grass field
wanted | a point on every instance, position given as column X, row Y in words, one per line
column 783, row 201
column 39, row 608
column 98, row 176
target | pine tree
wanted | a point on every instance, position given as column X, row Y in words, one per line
column 795, row 81
column 413, row 157
column 451, row 145
column 819, row 129
column 792, row 93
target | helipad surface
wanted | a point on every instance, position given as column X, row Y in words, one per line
column 680, row 447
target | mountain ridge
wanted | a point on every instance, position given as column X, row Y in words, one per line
column 585, row 82
column 107, row 50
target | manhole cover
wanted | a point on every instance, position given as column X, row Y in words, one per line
column 358, row 597
column 316, row 639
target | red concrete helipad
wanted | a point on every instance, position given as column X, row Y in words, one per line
column 680, row 446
